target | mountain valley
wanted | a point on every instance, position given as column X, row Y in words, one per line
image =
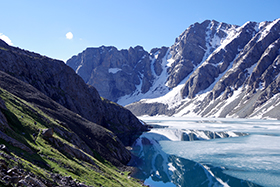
column 75, row 124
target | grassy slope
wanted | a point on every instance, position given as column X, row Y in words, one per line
column 46, row 158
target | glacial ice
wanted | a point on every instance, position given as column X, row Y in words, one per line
column 254, row 158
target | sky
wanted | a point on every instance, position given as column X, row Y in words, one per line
column 62, row 28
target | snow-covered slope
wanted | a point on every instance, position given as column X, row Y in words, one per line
column 238, row 75
column 213, row 70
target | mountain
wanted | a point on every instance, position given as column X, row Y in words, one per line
column 45, row 144
column 59, row 82
column 213, row 69
column 54, row 127
column 114, row 73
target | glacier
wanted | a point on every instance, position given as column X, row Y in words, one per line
column 224, row 152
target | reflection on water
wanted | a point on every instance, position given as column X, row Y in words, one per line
column 163, row 160
column 157, row 168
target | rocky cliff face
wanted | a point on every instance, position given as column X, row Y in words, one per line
column 59, row 82
column 114, row 73
column 213, row 69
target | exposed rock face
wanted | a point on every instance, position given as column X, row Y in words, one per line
column 59, row 82
column 114, row 73
column 19, row 177
column 137, row 68
column 88, row 135
column 192, row 47
column 238, row 75
column 4, row 125
column 217, row 63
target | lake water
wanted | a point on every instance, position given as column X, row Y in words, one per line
column 164, row 159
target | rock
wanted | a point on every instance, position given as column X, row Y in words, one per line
column 2, row 104
column 82, row 185
column 22, row 183
column 3, row 120
column 47, row 133
column 4, row 148
column 117, row 70
column 12, row 171
column 130, row 129
column 3, row 165
column 14, row 180
column 7, row 179
column 33, row 181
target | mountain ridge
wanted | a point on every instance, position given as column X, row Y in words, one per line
column 208, row 63
column 45, row 144
column 55, row 130
column 59, row 82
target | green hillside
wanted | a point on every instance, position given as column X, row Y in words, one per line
column 50, row 159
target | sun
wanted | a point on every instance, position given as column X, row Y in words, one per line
column 69, row 35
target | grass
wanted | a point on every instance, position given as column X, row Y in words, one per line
column 2, row 48
column 47, row 159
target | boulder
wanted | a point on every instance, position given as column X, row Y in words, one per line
column 47, row 133
column 4, row 148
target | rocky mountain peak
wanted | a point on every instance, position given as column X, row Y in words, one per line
column 210, row 60
column 119, row 71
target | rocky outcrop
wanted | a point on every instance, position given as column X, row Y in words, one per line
column 192, row 47
column 88, row 136
column 59, row 82
column 129, row 130
column 15, row 143
column 20, row 177
column 64, row 147
column 4, row 126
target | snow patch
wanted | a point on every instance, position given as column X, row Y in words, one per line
column 158, row 88
column 260, row 25
column 114, row 70
column 189, row 109
column 171, row 167
column 210, row 176
column 266, row 107
column 79, row 67
column 169, row 59
column 231, row 99
column 267, row 29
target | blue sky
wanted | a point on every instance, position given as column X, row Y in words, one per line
column 41, row 26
